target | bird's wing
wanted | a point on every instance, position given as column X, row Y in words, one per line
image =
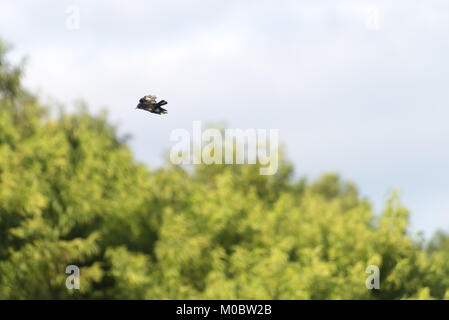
column 150, row 98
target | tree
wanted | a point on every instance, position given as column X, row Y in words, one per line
column 71, row 193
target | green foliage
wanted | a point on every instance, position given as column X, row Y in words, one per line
column 71, row 193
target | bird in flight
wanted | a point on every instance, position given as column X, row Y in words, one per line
column 149, row 103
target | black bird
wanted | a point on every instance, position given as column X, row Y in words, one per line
column 149, row 103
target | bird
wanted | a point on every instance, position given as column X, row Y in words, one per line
column 149, row 104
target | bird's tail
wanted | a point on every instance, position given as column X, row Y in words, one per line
column 161, row 103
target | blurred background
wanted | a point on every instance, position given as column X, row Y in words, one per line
column 356, row 88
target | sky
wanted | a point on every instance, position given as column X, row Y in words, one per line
column 355, row 87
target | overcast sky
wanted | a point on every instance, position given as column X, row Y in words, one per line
column 357, row 87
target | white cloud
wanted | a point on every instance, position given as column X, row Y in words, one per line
column 371, row 105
